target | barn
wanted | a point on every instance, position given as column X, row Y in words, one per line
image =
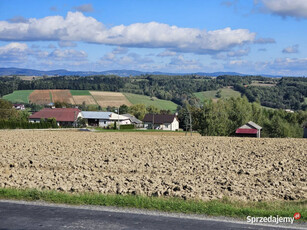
column 103, row 119
column 63, row 116
column 250, row 129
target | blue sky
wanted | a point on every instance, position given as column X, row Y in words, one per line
column 246, row 36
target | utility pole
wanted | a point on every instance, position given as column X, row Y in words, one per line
column 153, row 121
column 188, row 123
column 190, row 116
column 118, row 119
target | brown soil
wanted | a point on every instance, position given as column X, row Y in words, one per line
column 40, row 97
column 62, row 96
column 105, row 99
column 160, row 165
column 89, row 100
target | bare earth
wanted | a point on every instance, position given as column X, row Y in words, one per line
column 133, row 163
column 59, row 95
column 40, row 97
column 89, row 100
column 105, row 99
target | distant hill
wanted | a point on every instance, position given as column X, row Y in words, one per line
column 122, row 73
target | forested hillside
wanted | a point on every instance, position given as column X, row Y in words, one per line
column 271, row 92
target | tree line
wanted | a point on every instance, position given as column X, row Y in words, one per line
column 223, row 117
column 289, row 92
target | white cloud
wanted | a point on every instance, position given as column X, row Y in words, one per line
column 284, row 8
column 278, row 66
column 85, row 8
column 68, row 55
column 180, row 63
column 167, row 53
column 290, row 64
column 77, row 27
column 264, row 41
column 13, row 52
column 18, row 19
column 238, row 53
column 67, row 44
column 291, row 49
column 120, row 50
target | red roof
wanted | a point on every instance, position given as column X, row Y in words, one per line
column 247, row 131
column 60, row 114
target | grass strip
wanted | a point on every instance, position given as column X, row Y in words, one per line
column 50, row 95
column 222, row 207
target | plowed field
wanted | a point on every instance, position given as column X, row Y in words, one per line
column 62, row 96
column 40, row 97
column 89, row 100
column 105, row 99
column 132, row 163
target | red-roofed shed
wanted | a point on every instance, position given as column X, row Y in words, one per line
column 63, row 116
column 250, row 129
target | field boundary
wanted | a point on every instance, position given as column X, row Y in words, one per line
column 222, row 207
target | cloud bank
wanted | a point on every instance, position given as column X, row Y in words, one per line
column 285, row 8
column 78, row 27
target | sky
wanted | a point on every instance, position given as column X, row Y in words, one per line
column 183, row 36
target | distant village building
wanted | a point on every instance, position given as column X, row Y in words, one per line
column 289, row 111
column 63, row 116
column 19, row 106
column 161, row 122
column 104, row 119
column 250, row 129
column 137, row 123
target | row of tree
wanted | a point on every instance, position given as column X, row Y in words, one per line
column 11, row 118
column 222, row 118
column 288, row 92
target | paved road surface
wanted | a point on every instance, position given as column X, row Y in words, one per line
column 19, row 215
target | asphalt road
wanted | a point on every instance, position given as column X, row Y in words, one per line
column 31, row 215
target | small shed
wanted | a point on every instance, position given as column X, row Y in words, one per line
column 250, row 129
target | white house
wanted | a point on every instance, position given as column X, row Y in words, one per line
column 104, row 119
column 161, row 121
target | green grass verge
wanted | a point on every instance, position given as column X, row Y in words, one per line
column 50, row 95
column 80, row 93
column 223, row 207
column 21, row 96
column 146, row 100
column 225, row 92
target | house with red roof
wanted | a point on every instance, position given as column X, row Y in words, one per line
column 63, row 116
column 161, row 121
column 250, row 129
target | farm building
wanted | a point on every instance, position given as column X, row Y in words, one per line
column 161, row 121
column 250, row 129
column 63, row 116
column 103, row 119
column 137, row 123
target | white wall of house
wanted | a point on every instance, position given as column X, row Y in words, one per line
column 34, row 120
column 166, row 126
